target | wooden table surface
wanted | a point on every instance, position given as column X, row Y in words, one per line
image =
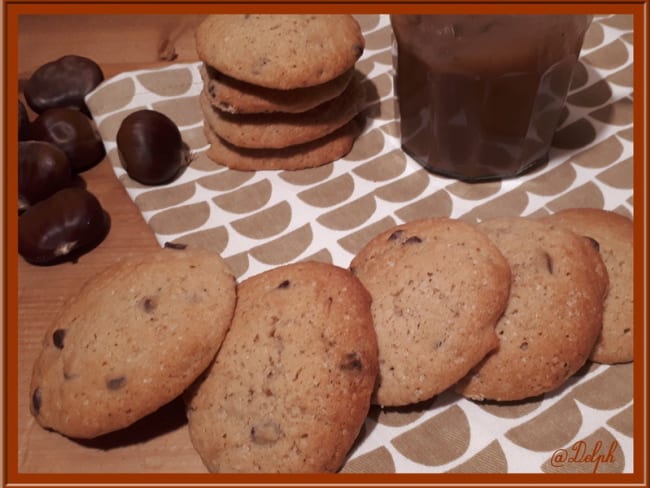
column 160, row 442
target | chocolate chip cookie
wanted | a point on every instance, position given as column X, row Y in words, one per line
column 438, row 287
column 280, row 51
column 131, row 340
column 554, row 314
column 615, row 236
column 290, row 387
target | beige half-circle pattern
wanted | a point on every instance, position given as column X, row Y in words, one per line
column 260, row 220
column 623, row 422
column 609, row 56
column 307, row 176
column 618, row 176
column 438, row 204
column 165, row 197
column 599, row 155
column 200, row 160
column 266, row 223
column 549, row 430
column 244, row 199
column 594, row 37
column 214, row 238
column 112, row 96
column 385, row 167
column 492, row 459
column 225, row 181
column 378, row 460
column 350, row 215
column 610, row 390
column 175, row 220
column 329, row 193
column 183, row 111
column 167, row 83
column 436, row 441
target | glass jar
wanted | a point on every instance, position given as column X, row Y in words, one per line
column 480, row 96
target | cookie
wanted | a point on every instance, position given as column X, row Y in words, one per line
column 438, row 287
column 134, row 338
column 554, row 314
column 615, row 236
column 290, row 387
column 277, row 130
column 234, row 96
column 309, row 155
column 280, row 51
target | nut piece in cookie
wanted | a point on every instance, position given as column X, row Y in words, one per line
column 290, row 387
column 554, row 314
column 438, row 287
column 133, row 339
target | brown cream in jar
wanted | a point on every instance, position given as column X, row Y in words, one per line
column 480, row 96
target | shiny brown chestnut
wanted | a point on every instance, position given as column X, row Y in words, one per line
column 62, row 227
column 151, row 147
column 74, row 133
column 23, row 122
column 63, row 82
column 43, row 169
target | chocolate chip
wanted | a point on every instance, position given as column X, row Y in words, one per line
column 523, row 346
column 149, row 304
column 284, row 284
column 116, row 383
column 594, row 243
column 58, row 337
column 396, row 235
column 37, row 401
column 549, row 262
column 352, row 361
column 175, row 245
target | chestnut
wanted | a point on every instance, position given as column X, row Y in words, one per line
column 62, row 227
column 151, row 148
column 63, row 83
column 74, row 133
column 43, row 169
column 23, row 122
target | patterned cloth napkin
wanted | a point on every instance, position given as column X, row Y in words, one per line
column 259, row 220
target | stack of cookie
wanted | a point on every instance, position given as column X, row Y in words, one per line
column 280, row 91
